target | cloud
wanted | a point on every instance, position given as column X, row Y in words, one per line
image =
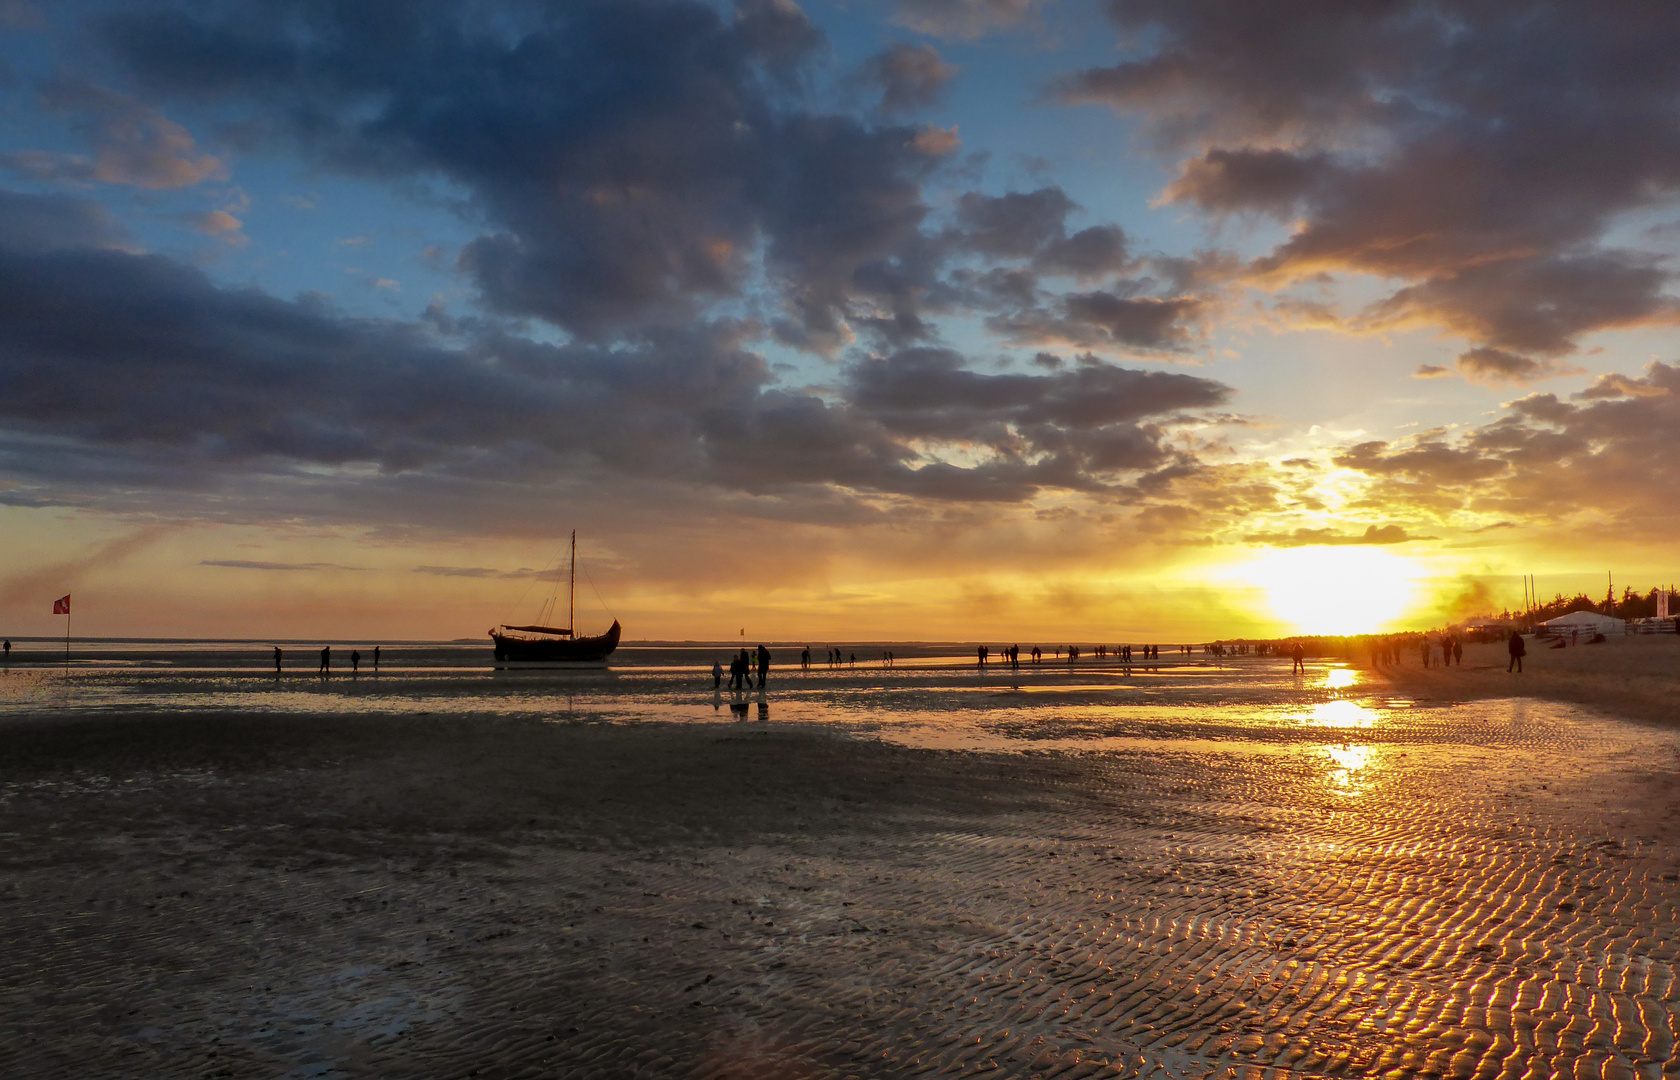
column 1477, row 162
column 1386, row 534
column 963, row 18
column 132, row 144
column 139, row 366
column 1591, row 466
column 45, row 222
column 908, row 76
column 635, row 160
column 1496, row 367
column 1431, row 371
column 1107, row 320
column 246, row 564
column 523, row 573
column 47, row 583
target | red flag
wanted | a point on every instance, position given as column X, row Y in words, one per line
column 62, row 606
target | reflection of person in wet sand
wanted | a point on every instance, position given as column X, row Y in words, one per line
column 1516, row 649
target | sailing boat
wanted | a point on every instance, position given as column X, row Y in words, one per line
column 555, row 642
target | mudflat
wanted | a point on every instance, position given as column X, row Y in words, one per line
column 1475, row 889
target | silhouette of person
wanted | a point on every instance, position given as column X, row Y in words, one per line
column 355, row 661
column 763, row 665
column 717, row 674
column 1517, row 650
column 805, row 658
column 376, row 659
column 276, row 659
column 1458, row 652
column 1299, row 655
column 8, row 647
column 326, row 660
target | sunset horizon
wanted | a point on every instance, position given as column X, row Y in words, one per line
column 929, row 320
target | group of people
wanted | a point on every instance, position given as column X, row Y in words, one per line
column 741, row 669
column 835, row 657
column 1011, row 654
column 326, row 660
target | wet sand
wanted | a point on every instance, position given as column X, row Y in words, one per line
column 1635, row 676
column 1486, row 889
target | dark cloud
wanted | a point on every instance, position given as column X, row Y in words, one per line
column 132, row 371
column 1012, row 226
column 1497, row 367
column 908, row 76
column 1430, row 462
column 1106, row 320
column 1373, row 534
column 632, row 157
column 1032, row 225
column 44, row 222
column 1478, row 155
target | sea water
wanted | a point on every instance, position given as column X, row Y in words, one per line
column 934, row 696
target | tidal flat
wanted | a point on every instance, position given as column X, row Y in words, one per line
column 1198, row 870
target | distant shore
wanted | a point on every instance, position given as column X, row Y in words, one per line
column 1636, row 677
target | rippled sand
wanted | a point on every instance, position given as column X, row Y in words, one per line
column 1250, row 876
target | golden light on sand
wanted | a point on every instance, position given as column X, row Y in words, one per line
column 1335, row 590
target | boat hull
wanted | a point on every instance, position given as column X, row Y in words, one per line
column 574, row 650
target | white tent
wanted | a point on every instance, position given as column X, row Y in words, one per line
column 1586, row 622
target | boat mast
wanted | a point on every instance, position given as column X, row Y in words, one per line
column 571, row 603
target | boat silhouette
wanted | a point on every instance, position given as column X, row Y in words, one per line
column 537, row 642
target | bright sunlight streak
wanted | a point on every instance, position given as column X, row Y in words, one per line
column 1335, row 590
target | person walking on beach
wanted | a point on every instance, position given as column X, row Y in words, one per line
column 355, row 660
column 376, row 659
column 1298, row 654
column 717, row 675
column 1517, row 650
column 1458, row 652
column 276, row 659
column 763, row 666
column 805, row 659
column 326, row 660
column 8, row 647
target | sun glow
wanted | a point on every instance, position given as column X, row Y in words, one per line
column 1335, row 590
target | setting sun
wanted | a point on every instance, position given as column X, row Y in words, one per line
column 1335, row 590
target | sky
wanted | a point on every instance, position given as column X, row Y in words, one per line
column 1012, row 320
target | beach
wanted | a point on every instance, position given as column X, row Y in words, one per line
column 1201, row 870
column 1635, row 676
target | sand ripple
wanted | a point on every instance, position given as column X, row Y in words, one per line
column 1491, row 892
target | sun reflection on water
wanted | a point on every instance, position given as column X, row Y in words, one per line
column 1350, row 767
column 1340, row 713
column 1340, row 678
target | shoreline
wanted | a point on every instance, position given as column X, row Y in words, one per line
column 1633, row 678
